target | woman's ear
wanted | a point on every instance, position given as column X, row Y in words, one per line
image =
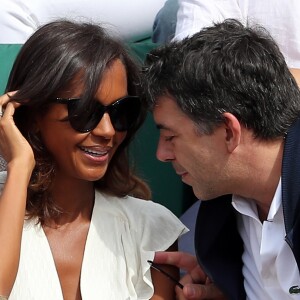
column 233, row 131
column 34, row 126
column 34, row 136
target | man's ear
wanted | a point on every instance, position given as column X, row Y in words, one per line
column 233, row 131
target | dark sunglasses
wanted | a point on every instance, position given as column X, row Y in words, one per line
column 123, row 113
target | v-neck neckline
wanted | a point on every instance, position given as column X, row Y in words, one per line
column 51, row 262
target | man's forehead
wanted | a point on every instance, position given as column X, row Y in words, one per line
column 168, row 115
column 163, row 127
column 165, row 96
column 165, row 104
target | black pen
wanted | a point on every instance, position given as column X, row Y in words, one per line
column 156, row 267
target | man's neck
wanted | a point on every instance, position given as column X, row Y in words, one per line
column 260, row 180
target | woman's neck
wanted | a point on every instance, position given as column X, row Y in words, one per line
column 74, row 197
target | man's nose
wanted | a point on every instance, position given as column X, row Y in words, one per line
column 164, row 151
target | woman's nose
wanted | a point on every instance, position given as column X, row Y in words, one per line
column 105, row 127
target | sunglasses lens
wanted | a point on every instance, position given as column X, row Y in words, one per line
column 83, row 120
column 124, row 113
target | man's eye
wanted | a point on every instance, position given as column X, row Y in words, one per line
column 169, row 138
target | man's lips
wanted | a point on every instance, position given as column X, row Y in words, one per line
column 181, row 173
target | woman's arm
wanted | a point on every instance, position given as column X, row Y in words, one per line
column 164, row 288
column 20, row 163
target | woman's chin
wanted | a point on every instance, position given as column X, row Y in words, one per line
column 92, row 174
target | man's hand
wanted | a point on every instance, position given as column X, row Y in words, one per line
column 197, row 285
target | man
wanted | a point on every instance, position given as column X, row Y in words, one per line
column 228, row 112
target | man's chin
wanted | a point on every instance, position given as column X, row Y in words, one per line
column 201, row 195
column 196, row 193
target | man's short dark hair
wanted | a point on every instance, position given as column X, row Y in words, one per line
column 227, row 67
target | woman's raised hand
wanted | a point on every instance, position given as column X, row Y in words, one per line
column 14, row 148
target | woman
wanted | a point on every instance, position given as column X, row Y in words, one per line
column 65, row 134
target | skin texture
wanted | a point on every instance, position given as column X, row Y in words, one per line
column 180, row 146
column 76, row 169
column 223, row 162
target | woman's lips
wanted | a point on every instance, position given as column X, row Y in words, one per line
column 96, row 154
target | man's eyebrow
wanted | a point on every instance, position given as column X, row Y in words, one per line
column 162, row 126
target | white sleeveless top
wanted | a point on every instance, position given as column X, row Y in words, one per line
column 124, row 233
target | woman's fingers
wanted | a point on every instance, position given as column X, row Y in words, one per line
column 13, row 145
column 5, row 98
